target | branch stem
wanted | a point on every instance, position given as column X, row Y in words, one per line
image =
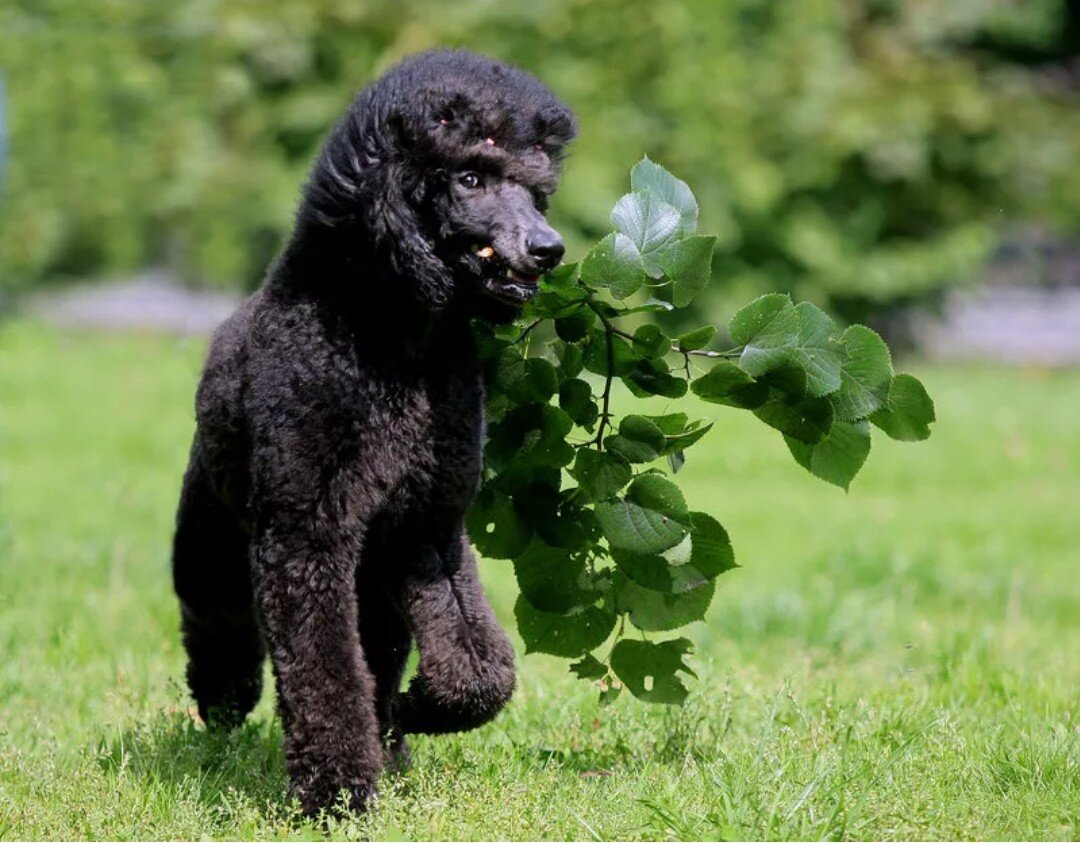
column 697, row 352
column 605, row 411
column 527, row 329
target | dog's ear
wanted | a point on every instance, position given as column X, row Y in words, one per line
column 394, row 191
column 364, row 186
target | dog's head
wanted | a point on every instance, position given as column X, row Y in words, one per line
column 445, row 164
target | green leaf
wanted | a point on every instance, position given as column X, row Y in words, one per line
column 508, row 367
column 616, row 263
column 806, row 419
column 555, row 516
column 688, row 263
column 553, row 302
column 571, row 359
column 816, row 352
column 552, row 579
column 654, row 611
column 838, row 456
column 628, row 449
column 647, row 175
column 753, row 319
column 649, row 671
column 650, row 223
column 496, row 406
column 694, row 432
column 728, row 384
column 656, row 492
column 629, row 526
column 631, row 451
column 652, row 517
column 495, row 527
column 652, row 377
column 865, row 375
column 788, row 380
column 489, row 346
column 576, row 399
column 567, row 635
column 575, row 326
column 670, row 424
column 523, row 486
column 908, row 413
column 639, row 439
column 541, row 381
column 529, row 436
column 696, row 339
column 654, row 571
column 651, row 305
column 600, row 474
column 524, row 380
column 679, row 569
column 710, row 547
column 796, row 335
column 679, row 432
column 651, row 341
column 563, row 275
column 589, row 667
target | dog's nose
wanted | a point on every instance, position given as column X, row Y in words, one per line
column 546, row 248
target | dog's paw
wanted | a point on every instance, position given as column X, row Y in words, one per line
column 332, row 799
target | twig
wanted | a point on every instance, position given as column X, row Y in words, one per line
column 605, row 413
column 695, row 351
column 527, row 329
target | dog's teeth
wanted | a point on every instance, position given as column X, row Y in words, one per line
column 486, row 252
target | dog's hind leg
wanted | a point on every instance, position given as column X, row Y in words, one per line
column 218, row 622
column 466, row 672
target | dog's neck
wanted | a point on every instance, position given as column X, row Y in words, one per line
column 333, row 268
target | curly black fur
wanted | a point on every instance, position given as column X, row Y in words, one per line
column 340, row 423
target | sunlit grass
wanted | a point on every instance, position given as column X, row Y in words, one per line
column 900, row 662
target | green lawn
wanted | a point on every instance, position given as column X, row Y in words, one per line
column 900, row 662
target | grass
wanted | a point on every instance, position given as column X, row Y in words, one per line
column 901, row 662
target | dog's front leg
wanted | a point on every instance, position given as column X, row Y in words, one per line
column 304, row 571
column 466, row 671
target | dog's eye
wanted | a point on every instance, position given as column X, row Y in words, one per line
column 469, row 180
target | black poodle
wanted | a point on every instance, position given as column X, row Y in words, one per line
column 340, row 420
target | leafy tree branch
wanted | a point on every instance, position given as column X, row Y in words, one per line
column 605, row 548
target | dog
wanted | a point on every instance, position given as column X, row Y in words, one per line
column 340, row 425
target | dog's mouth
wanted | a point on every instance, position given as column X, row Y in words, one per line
column 501, row 280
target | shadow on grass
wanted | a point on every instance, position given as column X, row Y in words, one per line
column 668, row 736
column 216, row 768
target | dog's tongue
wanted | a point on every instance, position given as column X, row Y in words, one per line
column 530, row 280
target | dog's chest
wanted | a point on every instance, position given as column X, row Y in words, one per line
column 441, row 427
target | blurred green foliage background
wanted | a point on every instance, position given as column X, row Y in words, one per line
column 857, row 152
